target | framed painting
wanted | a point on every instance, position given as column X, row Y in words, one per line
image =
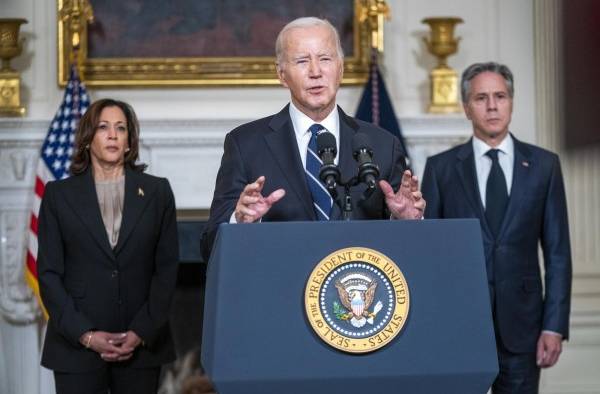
column 200, row 42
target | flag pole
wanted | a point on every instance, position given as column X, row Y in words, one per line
column 375, row 105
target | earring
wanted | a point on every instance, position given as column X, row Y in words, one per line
column 127, row 150
column 87, row 147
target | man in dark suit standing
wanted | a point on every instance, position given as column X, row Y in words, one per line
column 266, row 171
column 516, row 190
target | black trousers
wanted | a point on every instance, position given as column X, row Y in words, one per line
column 518, row 373
column 113, row 378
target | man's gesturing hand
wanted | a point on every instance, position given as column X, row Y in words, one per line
column 407, row 202
column 251, row 206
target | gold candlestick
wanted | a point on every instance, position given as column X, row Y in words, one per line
column 10, row 82
column 444, row 80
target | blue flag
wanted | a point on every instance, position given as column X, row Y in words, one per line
column 376, row 107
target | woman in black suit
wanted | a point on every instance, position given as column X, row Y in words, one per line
column 107, row 262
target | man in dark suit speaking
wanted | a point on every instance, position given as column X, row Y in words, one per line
column 268, row 167
column 516, row 191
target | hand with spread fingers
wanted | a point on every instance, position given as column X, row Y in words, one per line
column 407, row 202
column 252, row 205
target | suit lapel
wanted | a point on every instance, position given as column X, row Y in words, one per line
column 284, row 148
column 346, row 163
column 84, row 202
column 465, row 167
column 522, row 168
column 137, row 195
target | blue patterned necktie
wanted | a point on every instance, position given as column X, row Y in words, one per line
column 322, row 200
column 496, row 194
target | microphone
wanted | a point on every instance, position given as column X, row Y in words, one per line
column 368, row 172
column 329, row 173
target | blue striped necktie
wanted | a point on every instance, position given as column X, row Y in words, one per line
column 322, row 200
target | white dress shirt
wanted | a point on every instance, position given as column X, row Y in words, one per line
column 301, row 124
column 483, row 163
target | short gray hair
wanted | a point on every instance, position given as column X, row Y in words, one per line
column 477, row 68
column 305, row 22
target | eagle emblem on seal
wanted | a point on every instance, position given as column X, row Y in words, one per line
column 356, row 292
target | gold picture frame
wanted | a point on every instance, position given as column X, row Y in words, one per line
column 155, row 71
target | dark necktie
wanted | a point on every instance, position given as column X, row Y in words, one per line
column 322, row 200
column 496, row 194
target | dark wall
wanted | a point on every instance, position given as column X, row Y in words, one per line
column 188, row 302
column 581, row 32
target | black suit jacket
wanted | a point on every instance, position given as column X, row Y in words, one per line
column 86, row 285
column 268, row 147
column 536, row 213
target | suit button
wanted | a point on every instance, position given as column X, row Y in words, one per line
column 114, row 274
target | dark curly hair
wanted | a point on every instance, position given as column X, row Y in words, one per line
column 87, row 130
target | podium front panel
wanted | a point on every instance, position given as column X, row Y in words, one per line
column 257, row 338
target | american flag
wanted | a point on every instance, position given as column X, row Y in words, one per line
column 54, row 162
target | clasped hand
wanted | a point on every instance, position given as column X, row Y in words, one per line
column 112, row 346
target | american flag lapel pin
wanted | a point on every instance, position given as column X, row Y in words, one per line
column 140, row 192
column 525, row 164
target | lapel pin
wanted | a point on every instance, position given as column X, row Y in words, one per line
column 525, row 164
column 140, row 192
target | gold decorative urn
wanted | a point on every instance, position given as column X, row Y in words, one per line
column 444, row 80
column 10, row 82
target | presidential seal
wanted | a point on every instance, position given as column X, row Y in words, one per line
column 356, row 300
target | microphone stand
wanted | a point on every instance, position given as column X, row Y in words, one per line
column 331, row 176
column 345, row 201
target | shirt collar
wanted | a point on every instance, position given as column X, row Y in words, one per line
column 507, row 146
column 302, row 122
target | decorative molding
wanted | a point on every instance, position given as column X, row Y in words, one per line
column 16, row 165
column 425, row 135
column 14, row 131
column 17, row 303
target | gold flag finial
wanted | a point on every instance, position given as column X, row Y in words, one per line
column 78, row 13
column 374, row 12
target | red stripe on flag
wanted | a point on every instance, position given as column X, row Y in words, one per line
column 32, row 264
column 34, row 224
column 39, row 187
